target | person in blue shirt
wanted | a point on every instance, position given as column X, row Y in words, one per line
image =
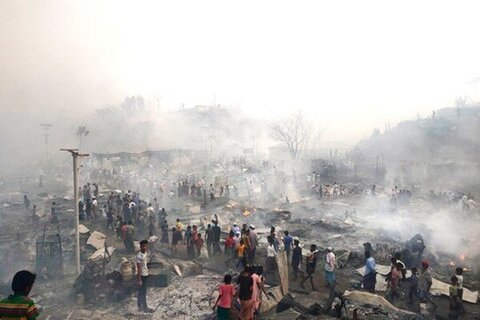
column 288, row 243
column 370, row 276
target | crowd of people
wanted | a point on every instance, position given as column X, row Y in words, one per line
column 132, row 218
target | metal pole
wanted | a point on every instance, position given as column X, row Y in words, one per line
column 77, row 219
column 75, row 154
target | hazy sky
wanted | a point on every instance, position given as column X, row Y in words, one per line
column 352, row 64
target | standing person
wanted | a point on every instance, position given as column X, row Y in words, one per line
column 209, row 239
column 176, row 238
column 164, row 228
column 127, row 214
column 253, row 242
column 225, row 297
column 26, row 202
column 236, row 228
column 370, row 276
column 245, row 294
column 241, row 254
column 425, row 283
column 311, row 264
column 94, row 208
column 20, row 305
column 273, row 235
column 199, row 244
column 248, row 247
column 81, row 210
column 119, row 228
column 142, row 277
column 95, row 191
column 270, row 261
column 109, row 217
column 179, row 225
column 162, row 214
column 34, row 215
column 459, row 275
column 88, row 209
column 395, row 276
column 229, row 248
column 296, row 258
column 288, row 243
column 53, row 213
column 257, row 289
column 413, row 285
column 217, row 231
column 330, row 262
column 189, row 242
column 454, row 306
column 151, row 229
column 129, row 232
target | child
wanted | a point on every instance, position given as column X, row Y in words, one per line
column 454, row 306
column 413, row 285
column 224, row 301
column 242, row 258
column 395, row 276
column 199, row 244
column 459, row 275
column 20, row 305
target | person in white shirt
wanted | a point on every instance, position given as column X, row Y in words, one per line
column 142, row 276
column 459, row 275
column 330, row 267
column 271, row 261
column 94, row 208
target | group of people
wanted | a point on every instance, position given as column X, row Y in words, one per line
column 245, row 295
column 419, row 283
column 329, row 191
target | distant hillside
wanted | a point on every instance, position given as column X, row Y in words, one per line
column 450, row 135
column 444, row 144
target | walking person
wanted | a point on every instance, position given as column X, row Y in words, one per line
column 392, row 290
column 311, row 264
column 245, row 294
column 226, row 293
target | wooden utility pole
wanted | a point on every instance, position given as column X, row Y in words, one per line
column 46, row 127
column 75, row 154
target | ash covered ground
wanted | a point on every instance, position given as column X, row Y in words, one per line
column 344, row 216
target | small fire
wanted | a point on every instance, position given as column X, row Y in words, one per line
column 463, row 256
column 451, row 263
column 246, row 212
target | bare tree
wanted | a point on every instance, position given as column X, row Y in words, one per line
column 292, row 131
